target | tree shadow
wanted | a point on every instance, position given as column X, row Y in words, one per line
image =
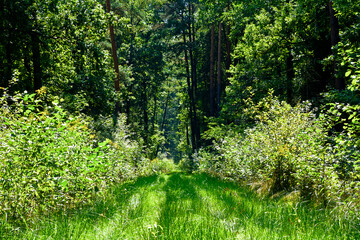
column 178, row 189
column 55, row 225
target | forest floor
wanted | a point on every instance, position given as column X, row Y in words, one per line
column 182, row 206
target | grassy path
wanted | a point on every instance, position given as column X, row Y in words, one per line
column 180, row 206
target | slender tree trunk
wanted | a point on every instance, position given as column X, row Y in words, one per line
column 162, row 126
column 165, row 112
column 193, row 74
column 131, row 53
column 335, row 38
column 132, row 36
column 219, row 71
column 290, row 74
column 145, row 111
column 192, row 34
column 35, row 42
column 187, row 135
column 8, row 66
column 27, row 65
column 191, row 97
column 154, row 114
column 212, row 108
column 321, row 47
column 228, row 49
column 113, row 50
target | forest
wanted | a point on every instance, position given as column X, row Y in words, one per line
column 102, row 98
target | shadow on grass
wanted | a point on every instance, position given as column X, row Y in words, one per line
column 178, row 188
column 69, row 224
column 191, row 207
column 269, row 218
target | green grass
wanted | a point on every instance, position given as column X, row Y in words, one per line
column 180, row 206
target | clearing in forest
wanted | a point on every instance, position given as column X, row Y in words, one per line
column 181, row 206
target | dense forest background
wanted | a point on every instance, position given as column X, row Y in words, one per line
column 94, row 92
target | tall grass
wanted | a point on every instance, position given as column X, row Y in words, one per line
column 179, row 206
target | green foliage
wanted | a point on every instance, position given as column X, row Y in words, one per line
column 162, row 164
column 349, row 62
column 60, row 45
column 287, row 146
column 344, row 121
column 51, row 160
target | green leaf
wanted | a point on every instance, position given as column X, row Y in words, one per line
column 348, row 73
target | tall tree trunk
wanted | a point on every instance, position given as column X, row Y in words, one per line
column 154, row 114
column 35, row 42
column 116, row 64
column 321, row 47
column 219, row 71
column 165, row 111
column 145, row 111
column 335, row 38
column 8, row 66
column 290, row 74
column 162, row 126
column 212, row 107
column 27, row 65
column 228, row 46
column 191, row 97
column 113, row 50
column 191, row 30
column 131, row 56
column 187, row 134
column 192, row 33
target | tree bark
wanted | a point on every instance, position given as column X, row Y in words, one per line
column 228, row 48
column 191, row 97
column 212, row 107
column 219, row 71
column 27, row 65
column 154, row 115
column 335, row 38
column 290, row 74
column 113, row 50
column 162, row 126
column 8, row 66
column 145, row 111
column 191, row 31
column 35, row 42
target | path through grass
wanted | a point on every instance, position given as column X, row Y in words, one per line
column 180, row 206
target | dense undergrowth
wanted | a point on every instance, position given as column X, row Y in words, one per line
column 51, row 160
column 291, row 149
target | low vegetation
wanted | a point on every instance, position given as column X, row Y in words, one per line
column 51, row 160
column 180, row 206
column 289, row 148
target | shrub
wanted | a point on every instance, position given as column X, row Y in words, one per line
column 287, row 147
column 51, row 160
column 162, row 164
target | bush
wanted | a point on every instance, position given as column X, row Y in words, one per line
column 162, row 164
column 50, row 160
column 287, row 147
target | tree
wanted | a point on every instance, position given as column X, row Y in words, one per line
column 219, row 71
column 212, row 105
column 335, row 39
column 114, row 49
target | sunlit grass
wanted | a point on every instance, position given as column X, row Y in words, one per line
column 180, row 206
